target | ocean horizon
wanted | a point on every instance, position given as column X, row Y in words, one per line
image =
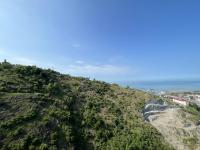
column 172, row 85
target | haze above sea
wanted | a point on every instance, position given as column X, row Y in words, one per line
column 164, row 85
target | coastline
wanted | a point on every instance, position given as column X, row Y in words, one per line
column 164, row 86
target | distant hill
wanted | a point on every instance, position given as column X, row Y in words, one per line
column 43, row 109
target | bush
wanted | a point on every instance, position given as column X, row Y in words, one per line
column 43, row 146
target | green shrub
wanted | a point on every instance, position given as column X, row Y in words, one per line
column 43, row 109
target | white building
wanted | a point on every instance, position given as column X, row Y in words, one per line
column 180, row 101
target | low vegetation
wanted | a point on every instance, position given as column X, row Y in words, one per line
column 194, row 111
column 43, row 109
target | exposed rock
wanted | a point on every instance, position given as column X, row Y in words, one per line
column 183, row 134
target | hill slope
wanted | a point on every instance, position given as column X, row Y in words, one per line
column 43, row 109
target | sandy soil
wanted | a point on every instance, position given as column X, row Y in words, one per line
column 177, row 130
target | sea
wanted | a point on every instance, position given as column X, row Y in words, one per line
column 168, row 86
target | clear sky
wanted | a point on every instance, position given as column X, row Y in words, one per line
column 109, row 40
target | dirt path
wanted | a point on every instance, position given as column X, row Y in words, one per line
column 178, row 131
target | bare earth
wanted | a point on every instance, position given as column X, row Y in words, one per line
column 181, row 133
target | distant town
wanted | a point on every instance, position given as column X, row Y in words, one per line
column 182, row 98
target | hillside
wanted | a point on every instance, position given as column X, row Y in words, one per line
column 178, row 129
column 43, row 109
column 180, row 125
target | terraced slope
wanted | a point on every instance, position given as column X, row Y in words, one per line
column 43, row 109
column 179, row 125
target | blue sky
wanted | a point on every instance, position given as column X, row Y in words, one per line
column 110, row 40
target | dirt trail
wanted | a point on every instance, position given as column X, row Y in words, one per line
column 178, row 131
